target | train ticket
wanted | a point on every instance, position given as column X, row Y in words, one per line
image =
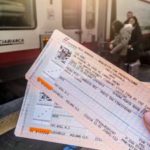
column 105, row 99
column 41, row 118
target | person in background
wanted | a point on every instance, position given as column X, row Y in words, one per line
column 129, row 15
column 116, row 27
column 135, row 42
column 119, row 45
column 147, row 120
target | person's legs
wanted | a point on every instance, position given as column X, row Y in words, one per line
column 123, row 64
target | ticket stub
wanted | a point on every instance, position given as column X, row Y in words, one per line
column 106, row 100
column 40, row 118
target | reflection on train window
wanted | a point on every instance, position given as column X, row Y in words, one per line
column 90, row 14
column 71, row 14
column 17, row 14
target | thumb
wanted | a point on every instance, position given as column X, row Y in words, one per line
column 147, row 120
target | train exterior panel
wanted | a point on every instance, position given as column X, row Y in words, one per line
column 86, row 21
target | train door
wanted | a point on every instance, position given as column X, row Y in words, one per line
column 79, row 19
column 103, row 20
column 89, row 22
column 76, row 18
column 71, row 18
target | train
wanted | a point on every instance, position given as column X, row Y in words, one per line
column 25, row 26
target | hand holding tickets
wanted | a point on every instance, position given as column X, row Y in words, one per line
column 107, row 101
column 147, row 120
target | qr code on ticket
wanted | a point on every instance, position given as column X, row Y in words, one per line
column 63, row 54
column 44, row 97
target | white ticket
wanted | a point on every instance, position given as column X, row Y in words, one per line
column 106, row 100
column 41, row 119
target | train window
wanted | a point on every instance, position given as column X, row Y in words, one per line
column 90, row 14
column 17, row 14
column 71, row 14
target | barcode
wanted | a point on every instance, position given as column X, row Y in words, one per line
column 63, row 54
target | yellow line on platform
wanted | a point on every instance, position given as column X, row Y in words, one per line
column 8, row 122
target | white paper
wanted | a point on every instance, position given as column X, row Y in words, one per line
column 39, row 112
column 106, row 100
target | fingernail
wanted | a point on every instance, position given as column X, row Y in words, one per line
column 147, row 117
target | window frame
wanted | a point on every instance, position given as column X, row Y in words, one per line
column 25, row 28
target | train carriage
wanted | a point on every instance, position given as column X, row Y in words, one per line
column 25, row 27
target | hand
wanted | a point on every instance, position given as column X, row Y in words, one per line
column 147, row 120
column 110, row 46
column 111, row 52
column 129, row 46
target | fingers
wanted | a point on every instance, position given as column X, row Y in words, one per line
column 111, row 46
column 147, row 120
